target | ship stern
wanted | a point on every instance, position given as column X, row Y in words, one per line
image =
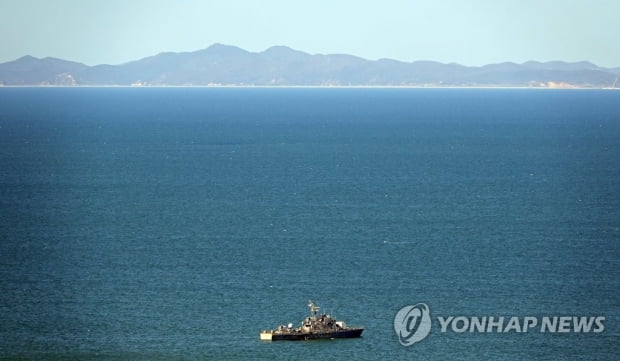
column 266, row 336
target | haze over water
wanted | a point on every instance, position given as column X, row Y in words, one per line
column 165, row 224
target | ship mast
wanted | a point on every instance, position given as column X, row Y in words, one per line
column 313, row 308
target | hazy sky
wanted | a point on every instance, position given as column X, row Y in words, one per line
column 469, row 32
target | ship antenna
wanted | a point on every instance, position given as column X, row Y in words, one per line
column 313, row 307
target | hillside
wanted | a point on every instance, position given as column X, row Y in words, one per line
column 279, row 65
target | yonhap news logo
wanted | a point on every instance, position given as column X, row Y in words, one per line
column 413, row 324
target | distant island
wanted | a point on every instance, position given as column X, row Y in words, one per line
column 225, row 65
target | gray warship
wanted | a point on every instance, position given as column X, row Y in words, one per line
column 312, row 328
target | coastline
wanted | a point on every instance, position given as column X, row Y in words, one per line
column 246, row 86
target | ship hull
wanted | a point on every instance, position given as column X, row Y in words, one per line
column 301, row 336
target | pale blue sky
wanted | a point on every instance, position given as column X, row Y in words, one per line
column 468, row 32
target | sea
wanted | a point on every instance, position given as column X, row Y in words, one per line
column 177, row 223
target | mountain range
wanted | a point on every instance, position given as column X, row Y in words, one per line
column 282, row 66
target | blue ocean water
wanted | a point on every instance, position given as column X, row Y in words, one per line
column 176, row 223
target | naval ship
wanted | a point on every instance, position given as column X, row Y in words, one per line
column 313, row 327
